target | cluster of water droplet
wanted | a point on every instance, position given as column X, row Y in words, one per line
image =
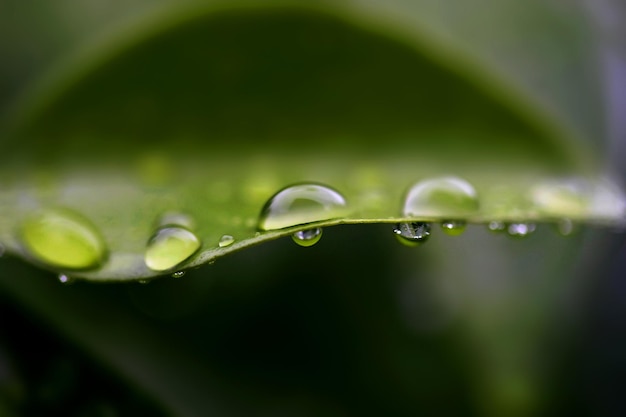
column 301, row 204
column 449, row 197
column 67, row 241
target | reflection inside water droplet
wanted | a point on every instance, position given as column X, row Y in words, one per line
column 301, row 204
column 448, row 196
column 226, row 240
column 63, row 238
column 520, row 229
column 308, row 237
column 178, row 274
column 412, row 234
column 453, row 227
column 169, row 247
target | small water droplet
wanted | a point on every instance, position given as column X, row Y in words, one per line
column 63, row 238
column 447, row 196
column 496, row 226
column 226, row 240
column 178, row 274
column 169, row 247
column 308, row 237
column 412, row 234
column 144, row 281
column 520, row 229
column 453, row 227
column 301, row 204
column 565, row 227
column 64, row 279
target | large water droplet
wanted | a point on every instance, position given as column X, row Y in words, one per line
column 520, row 229
column 226, row 240
column 448, row 196
column 169, row 247
column 560, row 198
column 453, row 227
column 64, row 239
column 412, row 234
column 301, row 204
column 308, row 237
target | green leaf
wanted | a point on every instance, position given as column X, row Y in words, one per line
column 209, row 111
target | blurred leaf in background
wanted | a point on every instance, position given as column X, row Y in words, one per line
column 236, row 100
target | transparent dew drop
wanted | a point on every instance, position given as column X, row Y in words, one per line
column 64, row 279
column 565, row 227
column 447, row 196
column 308, row 237
column 560, row 198
column 169, row 247
column 144, row 281
column 174, row 218
column 301, row 204
column 496, row 226
column 520, row 229
column 453, row 227
column 412, row 234
column 226, row 240
column 63, row 238
column 178, row 274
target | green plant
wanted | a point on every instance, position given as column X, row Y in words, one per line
column 206, row 110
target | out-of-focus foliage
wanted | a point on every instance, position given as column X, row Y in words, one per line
column 209, row 108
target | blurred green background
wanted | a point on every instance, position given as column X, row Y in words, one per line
column 480, row 324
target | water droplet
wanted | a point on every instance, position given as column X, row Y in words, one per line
column 144, row 281
column 64, row 279
column 520, row 229
column 560, row 198
column 308, row 237
column 64, row 239
column 412, row 234
column 448, row 196
column 301, row 204
column 565, row 227
column 175, row 219
column 453, row 227
column 226, row 240
column 169, row 247
column 178, row 274
column 496, row 226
